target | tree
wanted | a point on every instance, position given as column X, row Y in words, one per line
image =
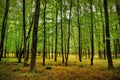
column 4, row 24
column 92, row 33
column 109, row 57
column 103, row 27
column 34, row 37
column 24, row 31
column 69, row 25
column 61, row 32
column 79, row 31
column 44, row 45
column 56, row 36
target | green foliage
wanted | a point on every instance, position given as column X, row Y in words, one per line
column 14, row 33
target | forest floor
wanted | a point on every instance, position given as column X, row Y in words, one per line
column 11, row 70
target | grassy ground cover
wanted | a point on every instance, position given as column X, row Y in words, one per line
column 11, row 70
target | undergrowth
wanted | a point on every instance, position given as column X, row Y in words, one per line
column 75, row 70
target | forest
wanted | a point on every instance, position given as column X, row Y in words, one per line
column 59, row 40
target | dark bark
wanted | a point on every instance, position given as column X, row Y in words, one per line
column 28, row 52
column 4, row 23
column 92, row 33
column 69, row 25
column 109, row 57
column 20, row 54
column 30, row 28
column 79, row 31
column 24, row 31
column 56, row 32
column 61, row 33
column 118, row 10
column 34, row 38
column 44, row 45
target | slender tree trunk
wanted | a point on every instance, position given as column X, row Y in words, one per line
column 109, row 57
column 20, row 52
column 44, row 45
column 28, row 52
column 6, row 42
column 4, row 28
column 118, row 27
column 62, row 34
column 92, row 33
column 34, row 38
column 69, row 25
column 24, row 30
column 56, row 32
column 118, row 10
column 116, row 45
column 102, row 22
column 79, row 31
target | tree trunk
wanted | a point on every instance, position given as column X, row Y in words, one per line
column 20, row 53
column 79, row 31
column 109, row 57
column 118, row 10
column 69, row 25
column 24, row 31
column 103, row 35
column 56, row 32
column 62, row 34
column 28, row 52
column 117, row 39
column 44, row 45
column 34, row 38
column 92, row 33
column 4, row 28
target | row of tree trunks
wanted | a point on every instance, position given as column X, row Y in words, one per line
column 69, row 28
column 21, row 50
column 4, row 25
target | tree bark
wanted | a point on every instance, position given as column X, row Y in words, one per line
column 56, row 37
column 44, row 45
column 62, row 34
column 103, row 27
column 109, row 57
column 4, row 28
column 34, row 38
column 92, row 33
column 79, row 31
column 69, row 25
column 24, row 31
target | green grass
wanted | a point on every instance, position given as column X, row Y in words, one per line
column 11, row 70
